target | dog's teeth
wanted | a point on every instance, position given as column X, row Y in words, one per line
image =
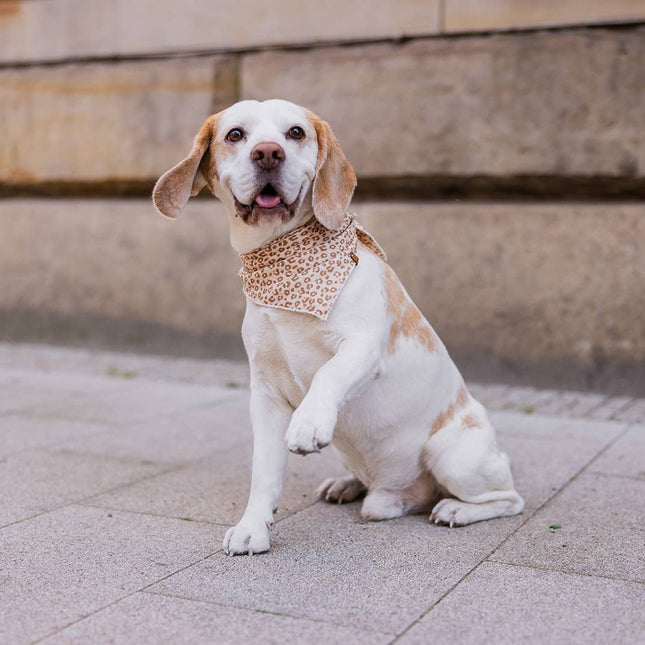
column 452, row 522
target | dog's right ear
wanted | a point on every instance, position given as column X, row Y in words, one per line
column 186, row 179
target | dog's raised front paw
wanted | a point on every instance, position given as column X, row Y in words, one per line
column 310, row 430
column 247, row 537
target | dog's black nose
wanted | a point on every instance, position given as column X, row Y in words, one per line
column 267, row 155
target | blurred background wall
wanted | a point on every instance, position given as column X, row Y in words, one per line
column 499, row 145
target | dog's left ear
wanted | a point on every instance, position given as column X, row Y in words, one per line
column 186, row 179
column 335, row 179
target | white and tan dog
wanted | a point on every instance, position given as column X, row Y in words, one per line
column 373, row 379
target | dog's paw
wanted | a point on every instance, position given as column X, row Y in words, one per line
column 340, row 489
column 452, row 512
column 247, row 537
column 310, row 430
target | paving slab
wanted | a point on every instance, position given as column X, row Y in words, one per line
column 138, row 401
column 489, row 393
column 325, row 564
column 21, row 432
column 634, row 412
column 559, row 403
column 554, row 428
column 626, row 457
column 611, row 408
column 522, row 398
column 105, row 458
column 29, row 390
column 151, row 618
column 216, row 489
column 175, row 437
column 601, row 520
column 505, row 604
column 100, row 362
column 64, row 565
column 586, row 404
column 37, row 481
column 540, row 469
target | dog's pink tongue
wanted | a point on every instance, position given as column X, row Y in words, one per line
column 267, row 201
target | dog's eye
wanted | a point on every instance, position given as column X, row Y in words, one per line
column 235, row 135
column 296, row 132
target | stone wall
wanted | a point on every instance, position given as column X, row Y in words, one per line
column 500, row 155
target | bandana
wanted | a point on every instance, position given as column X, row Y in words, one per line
column 305, row 270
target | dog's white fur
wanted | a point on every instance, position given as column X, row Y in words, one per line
column 373, row 379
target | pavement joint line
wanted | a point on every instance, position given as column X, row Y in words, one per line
column 48, row 414
column 165, row 471
column 150, row 514
column 47, row 447
column 623, row 408
column 566, row 572
column 529, row 517
column 599, row 405
column 620, row 409
column 262, row 611
column 145, row 588
column 132, row 593
column 80, row 501
column 54, row 360
column 81, row 618
column 598, row 473
column 87, row 502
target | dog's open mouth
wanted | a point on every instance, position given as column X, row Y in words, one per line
column 267, row 203
column 268, row 198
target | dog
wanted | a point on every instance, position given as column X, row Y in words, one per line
column 338, row 352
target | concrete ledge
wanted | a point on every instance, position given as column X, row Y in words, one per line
column 526, row 109
column 548, row 289
column 493, row 15
column 565, row 103
column 108, row 121
column 544, row 282
column 121, row 27
column 120, row 260
column 148, row 27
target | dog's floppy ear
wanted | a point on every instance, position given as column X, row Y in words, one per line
column 173, row 189
column 335, row 179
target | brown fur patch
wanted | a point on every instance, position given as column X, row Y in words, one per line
column 469, row 421
column 176, row 186
column 448, row 415
column 335, row 179
column 407, row 320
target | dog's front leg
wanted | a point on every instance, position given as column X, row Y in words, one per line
column 312, row 425
column 270, row 415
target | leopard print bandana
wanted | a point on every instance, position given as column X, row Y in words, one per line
column 305, row 270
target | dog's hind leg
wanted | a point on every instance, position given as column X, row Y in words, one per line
column 341, row 489
column 464, row 458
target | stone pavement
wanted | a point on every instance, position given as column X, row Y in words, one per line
column 119, row 474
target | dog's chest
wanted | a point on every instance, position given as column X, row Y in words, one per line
column 286, row 349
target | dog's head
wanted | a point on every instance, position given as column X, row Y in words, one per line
column 266, row 161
